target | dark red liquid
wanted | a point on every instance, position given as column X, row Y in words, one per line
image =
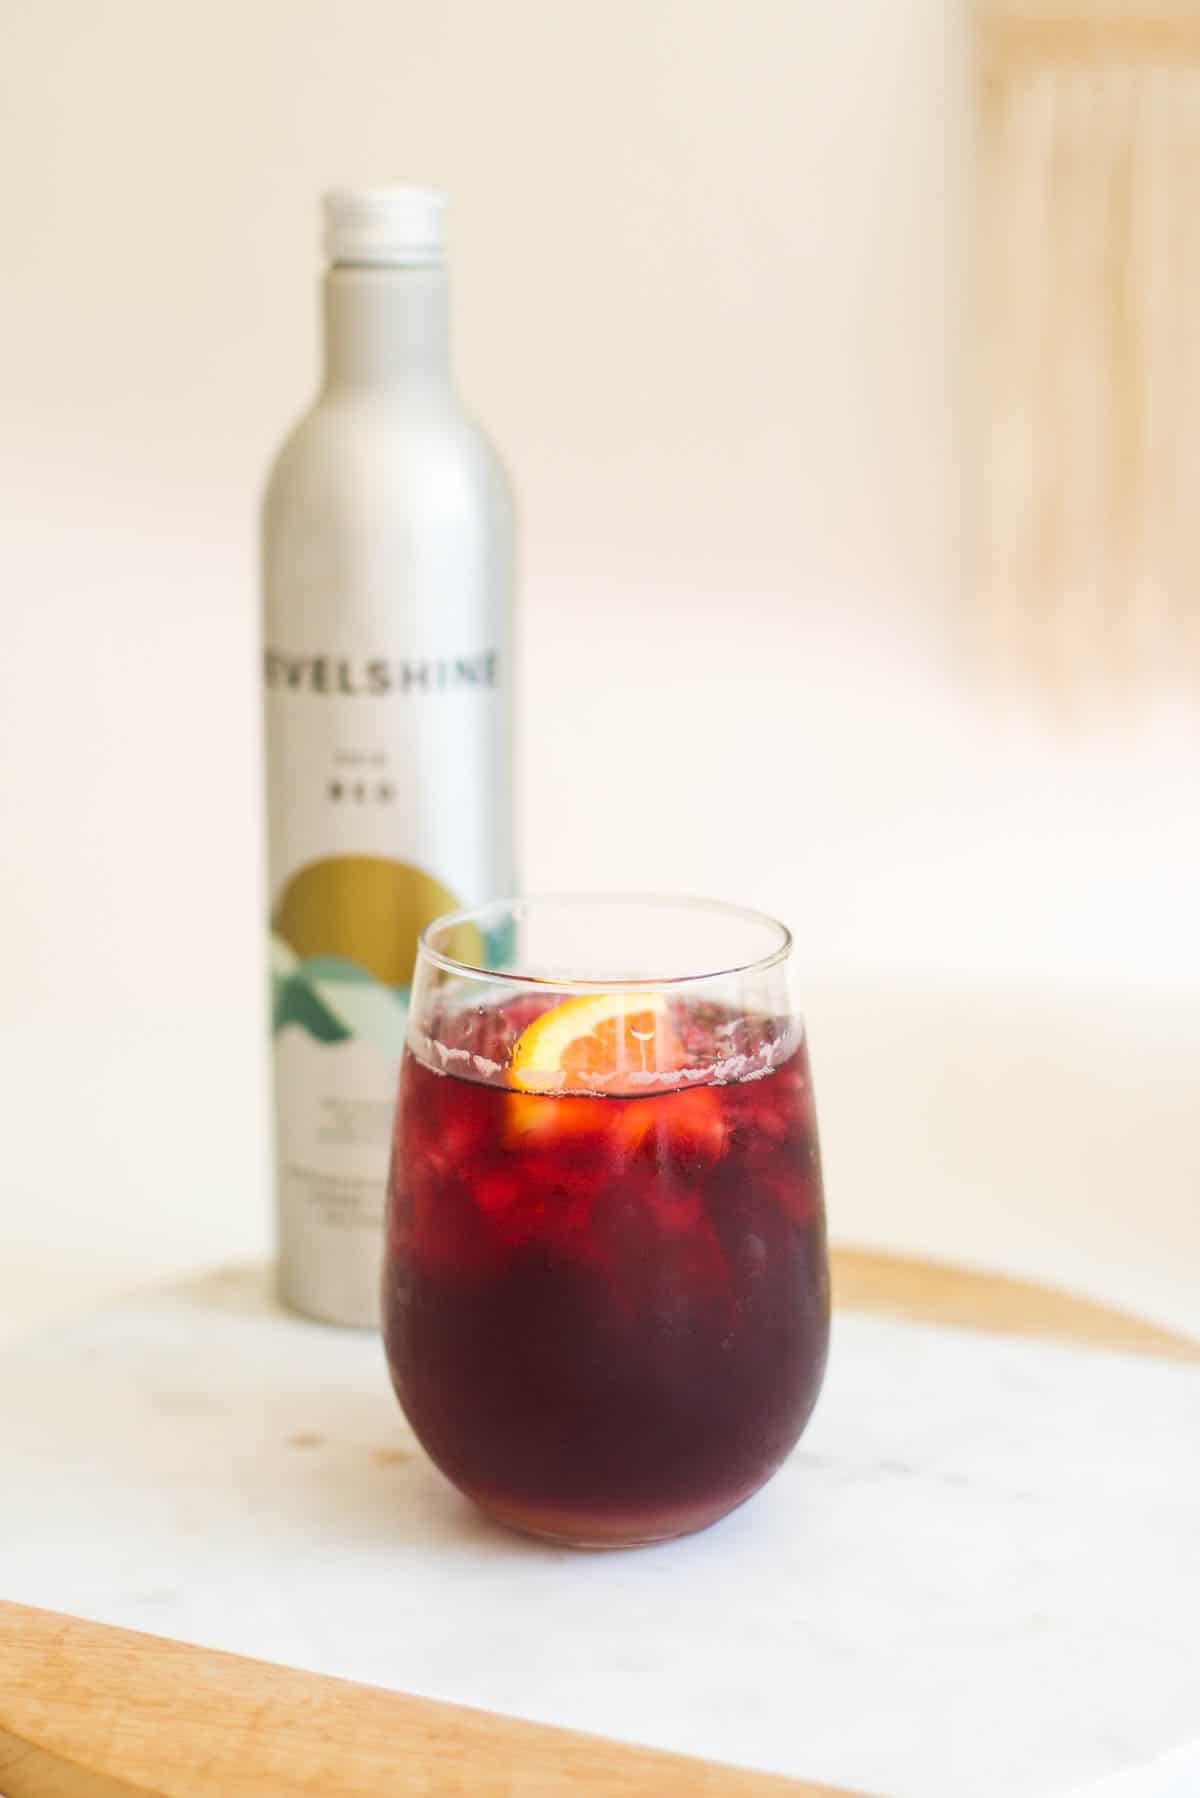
column 606, row 1318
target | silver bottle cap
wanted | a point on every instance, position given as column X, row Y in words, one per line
column 389, row 227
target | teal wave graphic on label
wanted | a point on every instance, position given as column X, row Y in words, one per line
column 334, row 999
column 500, row 945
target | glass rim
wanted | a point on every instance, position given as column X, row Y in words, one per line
column 474, row 914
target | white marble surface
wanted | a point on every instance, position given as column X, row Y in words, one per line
column 979, row 1573
column 1166, row 1776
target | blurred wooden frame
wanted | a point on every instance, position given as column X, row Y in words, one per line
column 1087, row 281
column 1016, row 31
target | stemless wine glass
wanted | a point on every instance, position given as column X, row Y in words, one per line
column 606, row 1286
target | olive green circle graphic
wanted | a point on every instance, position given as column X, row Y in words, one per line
column 369, row 909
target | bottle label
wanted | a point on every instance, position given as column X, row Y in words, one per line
column 387, row 807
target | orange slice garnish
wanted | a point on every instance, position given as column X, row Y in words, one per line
column 590, row 1042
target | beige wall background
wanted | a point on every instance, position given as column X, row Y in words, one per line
column 710, row 301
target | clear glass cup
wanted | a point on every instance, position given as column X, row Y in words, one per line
column 606, row 1286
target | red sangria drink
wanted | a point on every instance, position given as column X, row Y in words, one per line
column 606, row 1296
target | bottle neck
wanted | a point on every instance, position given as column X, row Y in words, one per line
column 387, row 330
